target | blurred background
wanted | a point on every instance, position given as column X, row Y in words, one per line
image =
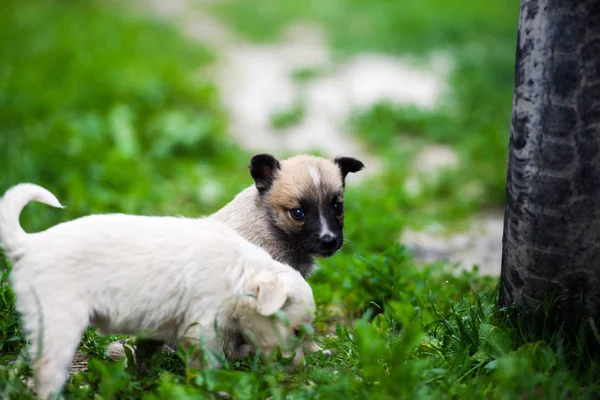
column 155, row 107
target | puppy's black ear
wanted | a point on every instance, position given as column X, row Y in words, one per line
column 348, row 164
column 263, row 168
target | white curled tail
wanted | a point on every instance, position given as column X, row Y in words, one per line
column 12, row 203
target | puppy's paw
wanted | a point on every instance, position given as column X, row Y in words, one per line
column 116, row 350
column 327, row 353
column 316, row 349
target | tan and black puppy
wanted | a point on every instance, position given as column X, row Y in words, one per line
column 295, row 209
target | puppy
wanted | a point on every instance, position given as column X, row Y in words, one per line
column 294, row 210
column 190, row 281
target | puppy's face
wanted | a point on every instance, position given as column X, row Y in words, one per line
column 304, row 198
column 280, row 313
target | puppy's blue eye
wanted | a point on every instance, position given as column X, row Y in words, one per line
column 297, row 214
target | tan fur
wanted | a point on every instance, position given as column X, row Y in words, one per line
column 294, row 181
column 247, row 215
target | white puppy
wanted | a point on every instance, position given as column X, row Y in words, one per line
column 176, row 279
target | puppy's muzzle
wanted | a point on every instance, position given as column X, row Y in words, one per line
column 327, row 244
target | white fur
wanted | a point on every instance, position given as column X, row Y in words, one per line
column 130, row 274
column 11, row 205
column 324, row 226
column 316, row 178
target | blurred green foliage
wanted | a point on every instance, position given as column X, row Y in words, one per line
column 112, row 112
column 356, row 25
column 473, row 117
column 108, row 111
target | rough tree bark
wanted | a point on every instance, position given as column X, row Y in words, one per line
column 551, row 238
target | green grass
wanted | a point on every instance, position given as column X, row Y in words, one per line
column 107, row 109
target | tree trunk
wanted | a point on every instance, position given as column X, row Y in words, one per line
column 551, row 243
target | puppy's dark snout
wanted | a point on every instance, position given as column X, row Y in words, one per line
column 329, row 241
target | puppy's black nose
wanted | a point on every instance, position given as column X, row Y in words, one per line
column 328, row 241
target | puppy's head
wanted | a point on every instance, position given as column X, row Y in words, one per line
column 304, row 199
column 280, row 313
